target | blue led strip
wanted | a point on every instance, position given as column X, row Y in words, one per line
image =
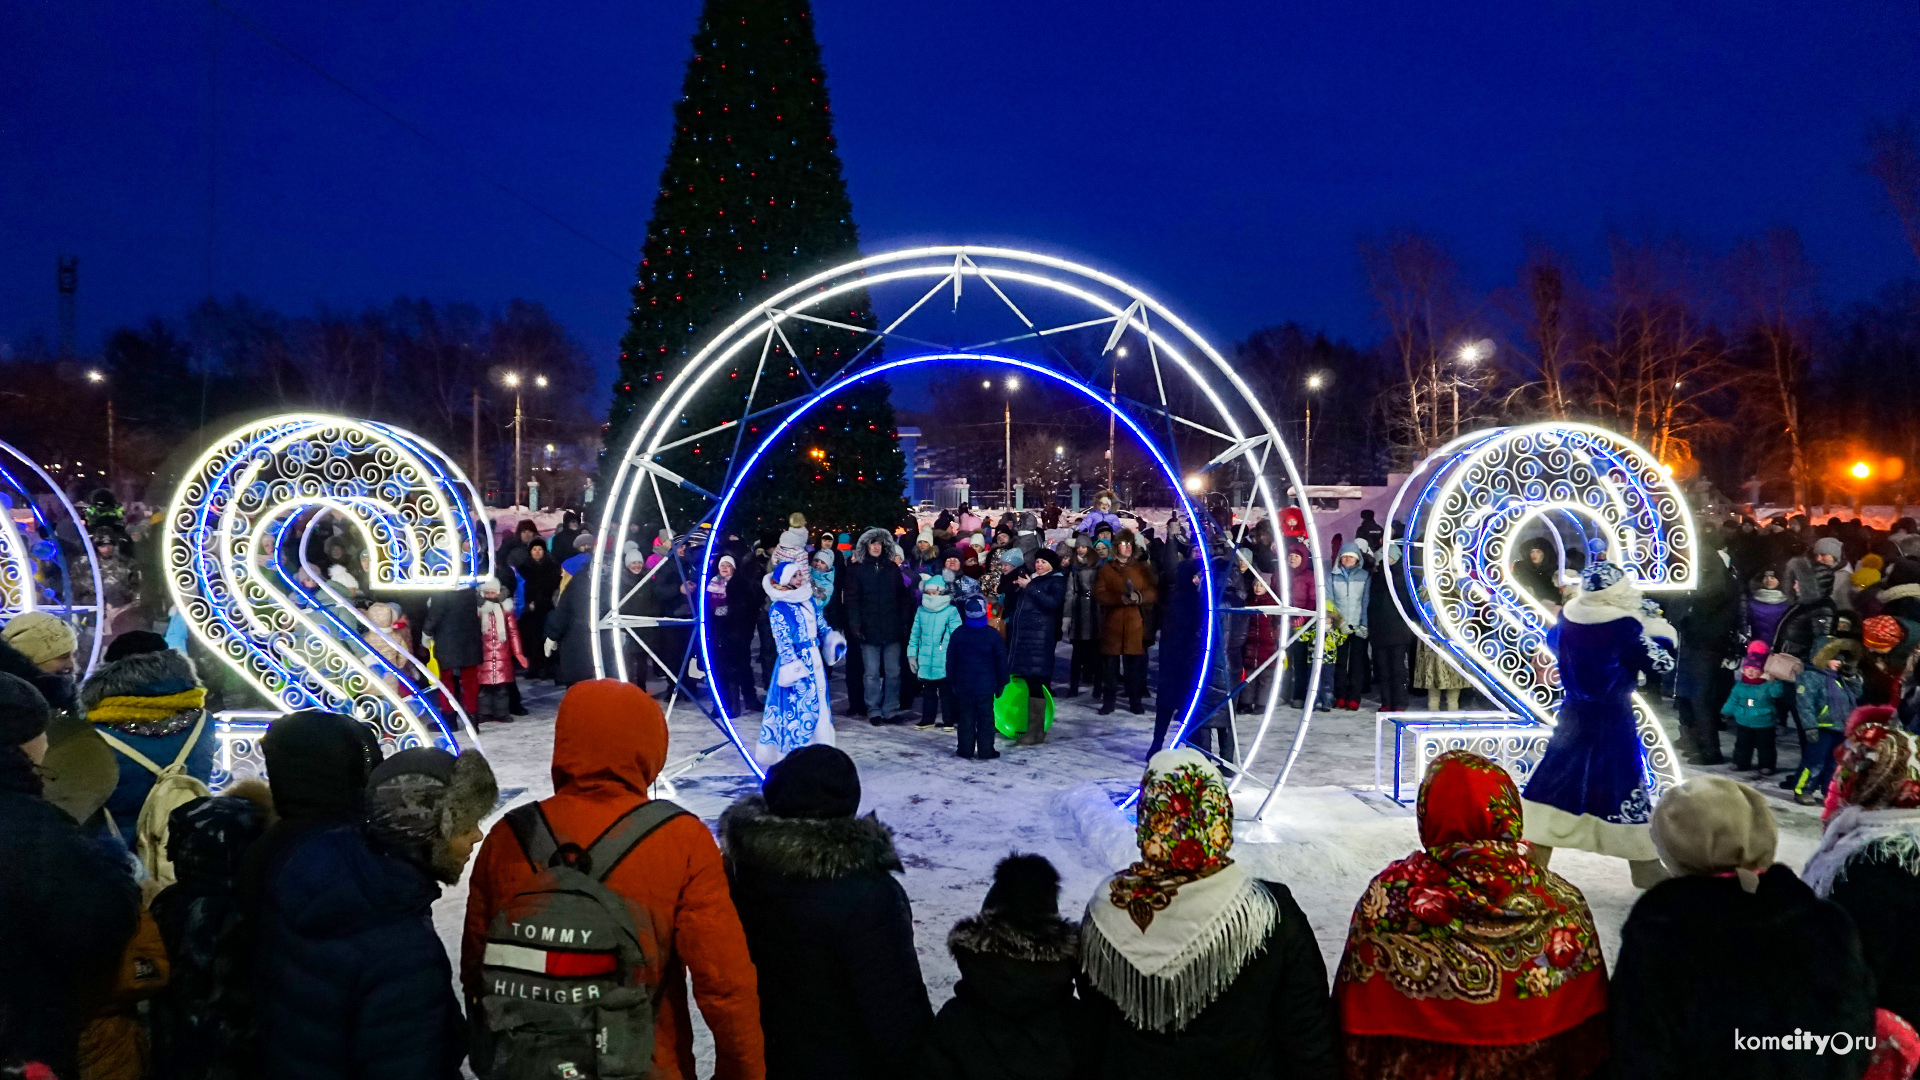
column 740, row 474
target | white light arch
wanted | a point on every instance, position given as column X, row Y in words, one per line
column 1231, row 421
column 36, row 571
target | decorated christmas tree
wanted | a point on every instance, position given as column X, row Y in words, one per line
column 751, row 200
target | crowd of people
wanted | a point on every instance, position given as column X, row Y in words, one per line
column 285, row 929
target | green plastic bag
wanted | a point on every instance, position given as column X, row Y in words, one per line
column 1010, row 709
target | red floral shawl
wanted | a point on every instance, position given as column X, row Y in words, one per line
column 1467, row 941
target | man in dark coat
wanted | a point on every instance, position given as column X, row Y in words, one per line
column 540, row 578
column 829, row 927
column 1032, row 635
column 67, row 909
column 563, row 539
column 351, row 978
column 453, row 629
column 1369, row 530
column 1708, row 617
column 1179, row 647
column 1389, row 639
column 879, row 616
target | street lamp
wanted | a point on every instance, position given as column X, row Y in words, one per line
column 513, row 380
column 1195, row 483
column 1314, row 382
column 1468, row 355
column 1113, row 400
column 99, row 378
column 1861, row 470
column 1012, row 384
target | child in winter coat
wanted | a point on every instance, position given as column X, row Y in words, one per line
column 1753, row 707
column 976, row 672
column 933, row 624
column 1826, row 693
column 499, row 650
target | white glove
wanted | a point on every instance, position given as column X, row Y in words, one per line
column 792, row 672
column 836, row 647
column 1361, row 630
column 913, row 664
column 551, row 645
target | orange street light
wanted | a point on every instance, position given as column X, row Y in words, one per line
column 1861, row 470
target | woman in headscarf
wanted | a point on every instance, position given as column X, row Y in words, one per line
column 1465, row 959
column 1869, row 858
column 1589, row 790
column 1704, row 952
column 1190, row 965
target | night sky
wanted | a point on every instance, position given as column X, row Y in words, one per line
column 1224, row 155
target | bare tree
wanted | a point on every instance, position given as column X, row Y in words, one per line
column 1893, row 158
column 1416, row 284
column 1774, row 283
column 1549, row 332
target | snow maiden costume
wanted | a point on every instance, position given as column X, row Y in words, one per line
column 798, row 711
column 1590, row 788
column 1186, row 958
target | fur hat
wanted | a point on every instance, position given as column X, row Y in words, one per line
column 1126, row 537
column 1601, row 575
column 1047, row 555
column 420, row 799
column 133, row 643
column 1710, row 825
column 40, row 637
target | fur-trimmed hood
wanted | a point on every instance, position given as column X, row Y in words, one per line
column 1899, row 592
column 990, row 935
column 753, row 837
column 859, row 552
column 154, row 674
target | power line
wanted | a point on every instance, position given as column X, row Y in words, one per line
column 458, row 158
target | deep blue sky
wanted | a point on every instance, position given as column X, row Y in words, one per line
column 1224, row 154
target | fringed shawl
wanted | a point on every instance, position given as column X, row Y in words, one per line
column 1162, row 977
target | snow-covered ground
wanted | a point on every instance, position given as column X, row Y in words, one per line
column 1327, row 835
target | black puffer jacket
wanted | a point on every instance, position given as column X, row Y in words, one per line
column 570, row 626
column 1386, row 627
column 1036, row 626
column 1882, row 894
column 879, row 603
column 1689, row 975
column 349, row 977
column 831, row 934
column 1014, row 1015
column 66, row 912
column 453, row 622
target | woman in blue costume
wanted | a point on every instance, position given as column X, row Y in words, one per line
column 1590, row 788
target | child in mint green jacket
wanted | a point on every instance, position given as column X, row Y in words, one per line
column 1754, row 707
column 933, row 624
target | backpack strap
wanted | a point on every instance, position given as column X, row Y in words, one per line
column 626, row 833
column 529, row 825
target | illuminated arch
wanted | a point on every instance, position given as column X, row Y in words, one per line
column 1040, row 296
column 36, row 573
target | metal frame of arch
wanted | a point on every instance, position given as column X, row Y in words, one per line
column 1014, row 284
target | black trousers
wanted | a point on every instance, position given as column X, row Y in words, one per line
column 1221, row 734
column 1133, row 669
column 1085, row 667
column 856, row 669
column 1350, row 670
column 1746, row 739
column 1297, row 673
column 1706, row 686
column 1392, row 675
column 932, row 693
column 975, row 724
column 1176, row 686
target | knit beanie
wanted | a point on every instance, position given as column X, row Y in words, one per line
column 40, row 637
column 1829, row 547
column 816, row 781
column 974, row 609
column 135, row 643
column 1904, row 571
column 23, row 712
column 1025, row 892
column 317, row 763
column 1711, row 825
column 1866, row 577
column 1872, row 562
column 1882, row 632
column 1047, row 556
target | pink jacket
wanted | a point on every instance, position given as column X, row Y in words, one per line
column 499, row 643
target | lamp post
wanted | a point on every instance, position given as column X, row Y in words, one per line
column 513, row 380
column 1012, row 384
column 1113, row 399
column 1314, row 382
column 1468, row 355
column 98, row 377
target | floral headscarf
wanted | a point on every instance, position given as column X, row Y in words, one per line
column 1185, row 828
column 1879, row 766
column 1447, row 943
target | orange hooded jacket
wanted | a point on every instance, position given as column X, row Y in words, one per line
column 608, row 745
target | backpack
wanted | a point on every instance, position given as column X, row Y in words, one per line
column 563, row 992
column 172, row 787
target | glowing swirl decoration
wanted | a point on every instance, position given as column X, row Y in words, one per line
column 1479, row 498
column 978, row 306
column 241, row 517
column 47, row 559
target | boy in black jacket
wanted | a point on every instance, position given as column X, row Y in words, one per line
column 976, row 673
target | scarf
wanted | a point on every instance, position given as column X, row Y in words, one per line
column 1769, row 596
column 1619, row 599
column 121, row 710
column 935, row 601
column 493, row 620
column 1467, row 941
column 1166, row 936
column 823, row 585
column 1884, row 835
column 717, row 596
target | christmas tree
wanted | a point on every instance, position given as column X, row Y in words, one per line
column 751, row 200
